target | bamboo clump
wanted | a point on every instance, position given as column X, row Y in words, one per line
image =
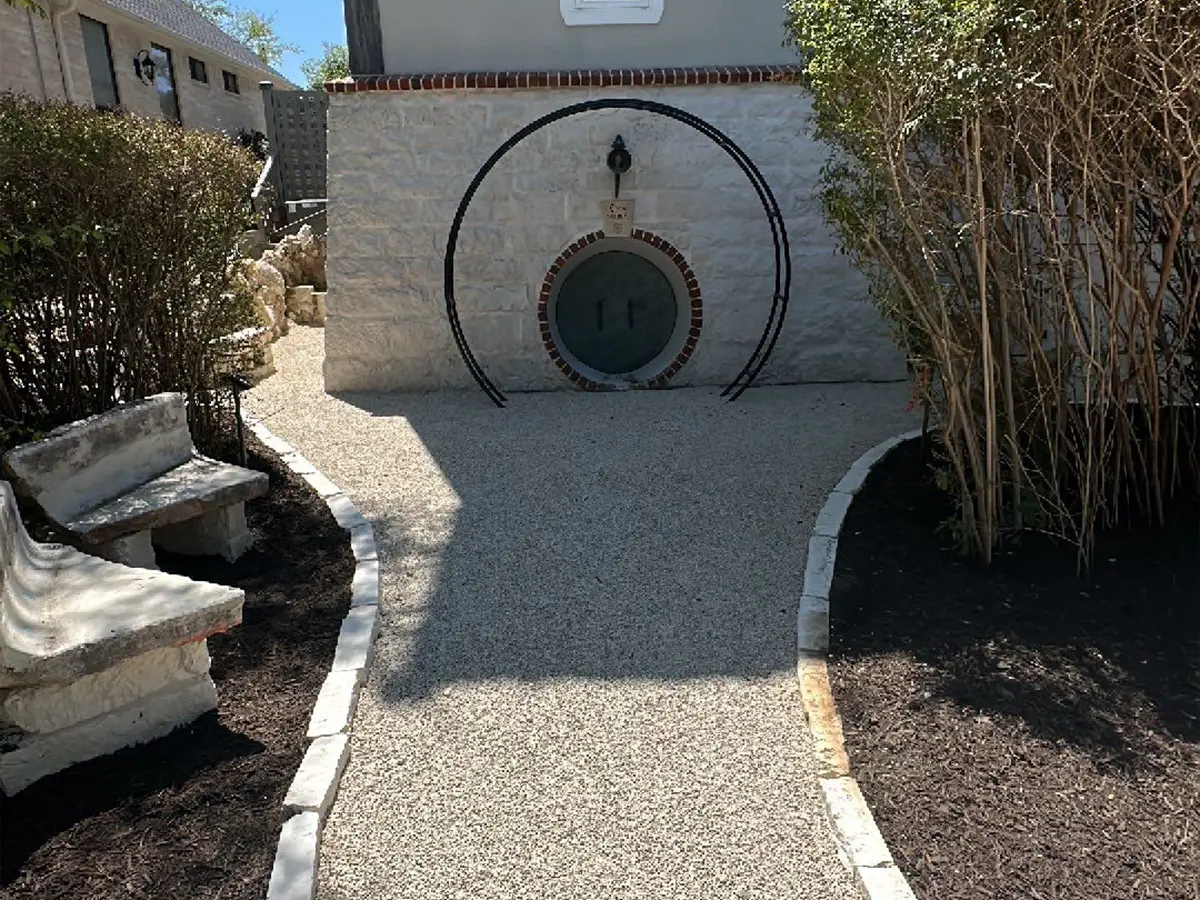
column 1039, row 258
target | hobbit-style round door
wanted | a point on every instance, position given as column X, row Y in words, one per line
column 616, row 312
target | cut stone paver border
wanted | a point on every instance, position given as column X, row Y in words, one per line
column 853, row 824
column 312, row 792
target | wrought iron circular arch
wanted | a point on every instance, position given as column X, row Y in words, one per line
column 783, row 261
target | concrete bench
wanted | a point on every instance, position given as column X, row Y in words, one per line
column 120, row 482
column 95, row 656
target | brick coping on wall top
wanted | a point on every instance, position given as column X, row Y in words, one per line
column 575, row 78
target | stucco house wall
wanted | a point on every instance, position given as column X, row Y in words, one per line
column 516, row 35
column 30, row 64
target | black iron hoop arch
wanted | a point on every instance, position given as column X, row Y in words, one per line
column 783, row 260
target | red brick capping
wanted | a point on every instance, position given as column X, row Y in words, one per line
column 577, row 78
column 689, row 277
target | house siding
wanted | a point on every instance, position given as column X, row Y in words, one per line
column 71, row 32
column 464, row 35
column 27, row 57
column 27, row 40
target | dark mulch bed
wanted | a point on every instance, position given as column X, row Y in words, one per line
column 1020, row 731
column 196, row 814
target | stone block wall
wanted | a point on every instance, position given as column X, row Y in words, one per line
column 400, row 161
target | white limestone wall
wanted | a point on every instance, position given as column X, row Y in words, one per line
column 399, row 162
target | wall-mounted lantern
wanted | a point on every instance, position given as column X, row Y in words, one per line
column 143, row 66
column 620, row 161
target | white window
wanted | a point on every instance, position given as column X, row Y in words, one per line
column 611, row 12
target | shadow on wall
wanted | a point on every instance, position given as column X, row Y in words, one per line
column 644, row 535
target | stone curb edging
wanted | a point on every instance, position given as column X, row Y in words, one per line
column 852, row 821
column 308, row 800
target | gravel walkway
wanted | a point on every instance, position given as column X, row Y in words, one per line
column 584, row 686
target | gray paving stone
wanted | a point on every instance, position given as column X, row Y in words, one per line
column 273, row 442
column 316, row 782
column 813, row 625
column 334, row 709
column 854, row 479
column 885, row 883
column 299, row 464
column 294, row 875
column 854, row 824
column 322, row 485
column 345, row 512
column 366, row 583
column 356, row 640
column 362, row 542
column 818, row 570
column 833, row 514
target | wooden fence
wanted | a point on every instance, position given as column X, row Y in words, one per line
column 296, row 132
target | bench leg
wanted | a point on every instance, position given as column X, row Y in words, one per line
column 222, row 532
column 135, row 701
column 132, row 550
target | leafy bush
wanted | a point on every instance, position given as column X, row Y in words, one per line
column 116, row 243
column 332, row 65
column 1021, row 181
column 253, row 141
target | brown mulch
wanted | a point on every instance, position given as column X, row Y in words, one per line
column 196, row 814
column 1021, row 731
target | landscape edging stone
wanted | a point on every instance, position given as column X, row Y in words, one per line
column 854, row 826
column 294, row 875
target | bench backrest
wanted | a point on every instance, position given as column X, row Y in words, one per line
column 11, row 531
column 28, row 626
column 85, row 464
column 17, row 621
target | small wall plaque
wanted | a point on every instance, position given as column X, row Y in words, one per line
column 618, row 218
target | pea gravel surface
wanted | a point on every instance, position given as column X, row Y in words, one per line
column 585, row 681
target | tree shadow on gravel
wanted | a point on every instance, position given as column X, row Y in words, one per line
column 642, row 535
column 1107, row 661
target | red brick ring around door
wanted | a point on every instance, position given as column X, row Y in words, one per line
column 695, row 324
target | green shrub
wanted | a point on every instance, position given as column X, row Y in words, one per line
column 1021, row 182
column 116, row 240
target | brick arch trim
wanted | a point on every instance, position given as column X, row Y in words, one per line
column 694, row 298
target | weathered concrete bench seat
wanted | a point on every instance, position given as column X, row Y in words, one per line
column 120, row 482
column 95, row 656
column 182, row 493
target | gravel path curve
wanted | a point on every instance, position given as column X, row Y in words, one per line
column 584, row 687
